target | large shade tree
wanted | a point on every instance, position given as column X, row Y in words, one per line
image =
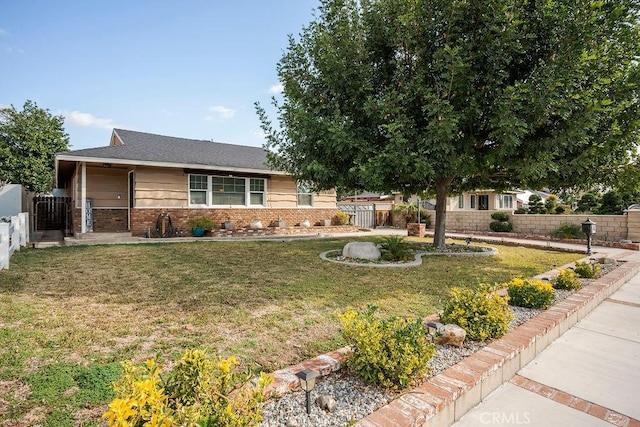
column 29, row 140
column 454, row 95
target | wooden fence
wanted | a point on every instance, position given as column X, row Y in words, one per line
column 13, row 235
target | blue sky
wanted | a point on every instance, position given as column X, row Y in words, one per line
column 190, row 69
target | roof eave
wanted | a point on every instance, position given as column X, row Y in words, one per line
column 88, row 159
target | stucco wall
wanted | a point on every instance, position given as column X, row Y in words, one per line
column 11, row 200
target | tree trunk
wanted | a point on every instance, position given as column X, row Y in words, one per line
column 442, row 191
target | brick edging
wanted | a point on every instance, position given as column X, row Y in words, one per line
column 446, row 397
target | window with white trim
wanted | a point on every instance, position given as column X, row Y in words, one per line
column 206, row 190
column 198, row 189
column 256, row 192
column 305, row 197
column 461, row 201
column 505, row 201
column 228, row 191
column 472, row 201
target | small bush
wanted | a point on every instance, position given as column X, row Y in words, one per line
column 530, row 293
column 500, row 216
column 587, row 270
column 341, row 218
column 500, row 226
column 520, row 211
column 566, row 279
column 568, row 231
column 481, row 312
column 396, row 249
column 391, row 352
column 197, row 391
column 560, row 210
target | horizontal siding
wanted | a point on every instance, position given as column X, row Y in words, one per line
column 161, row 187
column 105, row 184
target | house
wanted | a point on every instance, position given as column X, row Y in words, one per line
column 483, row 200
column 128, row 184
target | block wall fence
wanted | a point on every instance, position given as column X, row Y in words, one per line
column 609, row 228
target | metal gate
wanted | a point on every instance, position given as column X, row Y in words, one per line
column 361, row 215
column 52, row 213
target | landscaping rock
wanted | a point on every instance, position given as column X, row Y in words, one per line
column 361, row 250
column 451, row 334
column 292, row 423
column 326, row 403
column 608, row 261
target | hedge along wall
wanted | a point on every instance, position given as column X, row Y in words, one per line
column 610, row 228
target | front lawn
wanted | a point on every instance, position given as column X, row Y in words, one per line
column 69, row 314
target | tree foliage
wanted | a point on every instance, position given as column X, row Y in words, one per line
column 453, row 95
column 536, row 205
column 29, row 140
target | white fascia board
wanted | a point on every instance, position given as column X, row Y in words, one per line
column 165, row 164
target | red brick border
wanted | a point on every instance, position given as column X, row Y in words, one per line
column 574, row 402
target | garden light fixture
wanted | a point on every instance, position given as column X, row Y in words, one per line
column 432, row 328
column 589, row 228
column 307, row 379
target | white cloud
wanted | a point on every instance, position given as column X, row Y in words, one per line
column 4, row 32
column 222, row 112
column 276, row 89
column 89, row 120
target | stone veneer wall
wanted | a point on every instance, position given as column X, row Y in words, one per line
column 609, row 228
column 142, row 219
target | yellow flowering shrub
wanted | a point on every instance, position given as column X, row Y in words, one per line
column 480, row 311
column 390, row 352
column 196, row 392
column 530, row 293
column 566, row 279
column 587, row 270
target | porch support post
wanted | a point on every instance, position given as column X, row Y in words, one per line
column 83, row 198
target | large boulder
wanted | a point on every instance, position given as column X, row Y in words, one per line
column 451, row 334
column 362, row 250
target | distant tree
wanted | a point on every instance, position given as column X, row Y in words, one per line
column 551, row 204
column 536, row 206
column 611, row 204
column 29, row 140
column 453, row 95
column 588, row 203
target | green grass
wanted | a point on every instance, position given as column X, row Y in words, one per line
column 68, row 315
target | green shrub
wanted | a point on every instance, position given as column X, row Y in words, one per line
column 341, row 218
column 396, row 249
column 530, row 293
column 560, row 210
column 202, row 222
column 481, row 311
column 566, row 279
column 500, row 216
column 587, row 270
column 410, row 213
column 500, row 226
column 391, row 352
column 197, row 391
column 568, row 231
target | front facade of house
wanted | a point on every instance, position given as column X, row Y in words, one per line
column 483, row 200
column 127, row 185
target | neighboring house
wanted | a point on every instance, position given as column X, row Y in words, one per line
column 139, row 176
column 483, row 200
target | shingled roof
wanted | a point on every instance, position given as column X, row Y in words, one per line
column 158, row 150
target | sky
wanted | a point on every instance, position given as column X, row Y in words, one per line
column 185, row 68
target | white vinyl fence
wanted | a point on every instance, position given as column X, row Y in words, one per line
column 13, row 235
